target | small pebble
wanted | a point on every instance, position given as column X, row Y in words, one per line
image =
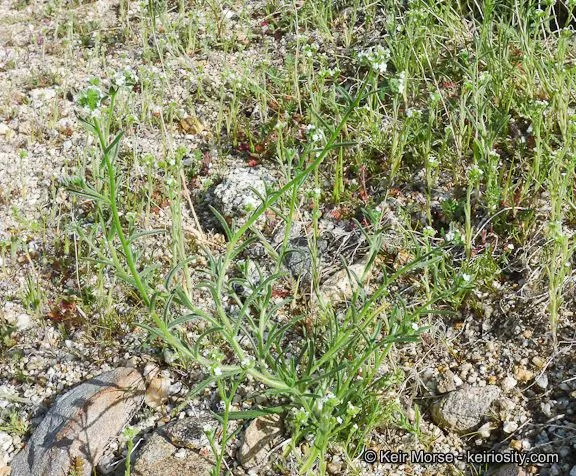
column 542, row 381
column 508, row 383
column 510, row 427
column 538, row 361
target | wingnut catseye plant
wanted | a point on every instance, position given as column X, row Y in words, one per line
column 329, row 382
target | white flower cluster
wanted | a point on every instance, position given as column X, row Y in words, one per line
column 300, row 415
column 329, row 72
column 376, row 57
column 433, row 162
column 125, row 77
column 247, row 362
column 316, row 135
column 475, row 173
column 429, row 231
column 310, row 50
column 453, row 236
column 400, row 83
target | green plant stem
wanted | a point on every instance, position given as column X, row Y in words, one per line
column 116, row 217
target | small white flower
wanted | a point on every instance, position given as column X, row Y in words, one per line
column 246, row 362
column 415, row 326
column 217, row 371
column 315, row 134
column 466, row 277
column 352, row 410
column 402, row 82
column 339, row 420
column 119, row 79
column 475, row 173
column 376, row 57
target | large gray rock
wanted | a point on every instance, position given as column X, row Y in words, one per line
column 76, row 430
column 464, row 410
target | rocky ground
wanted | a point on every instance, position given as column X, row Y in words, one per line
column 487, row 377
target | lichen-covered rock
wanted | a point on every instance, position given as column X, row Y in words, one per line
column 240, row 193
column 464, row 410
column 79, row 426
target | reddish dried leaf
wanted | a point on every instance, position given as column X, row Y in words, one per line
column 280, row 292
column 64, row 311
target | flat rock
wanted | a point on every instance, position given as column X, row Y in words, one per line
column 259, row 438
column 81, row 424
column 464, row 410
column 160, row 457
